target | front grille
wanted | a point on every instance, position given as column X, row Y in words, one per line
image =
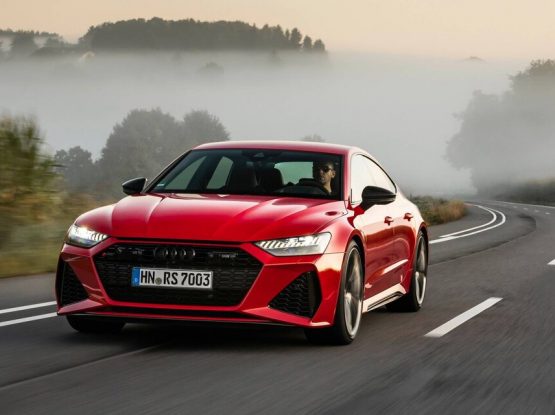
column 234, row 272
column 71, row 290
column 301, row 297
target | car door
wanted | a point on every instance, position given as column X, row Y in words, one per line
column 376, row 227
column 399, row 210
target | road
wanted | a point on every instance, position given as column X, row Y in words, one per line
column 501, row 360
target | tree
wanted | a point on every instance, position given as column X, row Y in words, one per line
column 77, row 168
column 27, row 176
column 319, row 46
column 307, row 44
column 139, row 146
column 295, row 38
column 23, row 45
column 508, row 139
column 202, row 127
column 146, row 141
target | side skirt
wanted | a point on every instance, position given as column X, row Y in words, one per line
column 381, row 299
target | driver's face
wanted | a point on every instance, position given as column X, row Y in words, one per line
column 323, row 173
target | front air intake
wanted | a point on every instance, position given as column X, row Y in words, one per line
column 71, row 290
column 301, row 297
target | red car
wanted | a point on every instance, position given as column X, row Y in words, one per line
column 303, row 234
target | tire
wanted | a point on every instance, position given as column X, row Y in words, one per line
column 348, row 312
column 413, row 300
column 94, row 325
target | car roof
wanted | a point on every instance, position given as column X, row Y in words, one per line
column 282, row 145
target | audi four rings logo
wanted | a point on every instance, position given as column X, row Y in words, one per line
column 174, row 253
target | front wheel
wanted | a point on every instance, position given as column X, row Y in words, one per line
column 85, row 324
column 413, row 300
column 348, row 312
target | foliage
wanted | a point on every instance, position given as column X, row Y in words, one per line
column 509, row 139
column 190, row 34
column 140, row 146
column 436, row 211
column 23, row 44
column 27, row 177
column 77, row 168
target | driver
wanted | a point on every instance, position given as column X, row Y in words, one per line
column 323, row 172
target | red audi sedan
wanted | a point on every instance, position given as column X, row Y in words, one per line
column 292, row 233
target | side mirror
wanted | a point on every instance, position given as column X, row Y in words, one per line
column 134, row 186
column 372, row 195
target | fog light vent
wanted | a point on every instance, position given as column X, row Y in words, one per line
column 71, row 290
column 302, row 297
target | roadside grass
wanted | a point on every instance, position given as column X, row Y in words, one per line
column 436, row 210
column 32, row 247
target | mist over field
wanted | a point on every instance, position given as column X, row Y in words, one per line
column 400, row 109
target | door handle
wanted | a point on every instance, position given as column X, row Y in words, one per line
column 408, row 216
column 388, row 220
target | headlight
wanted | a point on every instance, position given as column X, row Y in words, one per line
column 83, row 237
column 302, row 245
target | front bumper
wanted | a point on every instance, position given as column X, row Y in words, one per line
column 262, row 302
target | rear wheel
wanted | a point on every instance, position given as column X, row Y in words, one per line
column 86, row 324
column 349, row 304
column 412, row 301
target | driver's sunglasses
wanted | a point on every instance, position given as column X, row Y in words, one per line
column 325, row 169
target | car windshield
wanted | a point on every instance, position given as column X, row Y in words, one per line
column 255, row 172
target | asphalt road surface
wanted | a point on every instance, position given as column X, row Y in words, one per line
column 484, row 343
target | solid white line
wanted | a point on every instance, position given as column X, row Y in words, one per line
column 462, row 318
column 27, row 319
column 450, row 238
column 26, row 307
column 552, row 262
column 475, row 227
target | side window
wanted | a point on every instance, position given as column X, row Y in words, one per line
column 380, row 178
column 364, row 172
column 220, row 175
column 361, row 176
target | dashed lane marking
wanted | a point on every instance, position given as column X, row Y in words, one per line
column 27, row 319
column 462, row 318
column 26, row 307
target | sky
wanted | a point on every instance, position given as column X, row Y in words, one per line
column 489, row 29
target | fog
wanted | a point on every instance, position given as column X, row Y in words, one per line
column 400, row 109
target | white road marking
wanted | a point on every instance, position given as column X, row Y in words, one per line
column 475, row 227
column 27, row 319
column 450, row 238
column 547, row 213
column 526, row 204
column 26, row 307
column 552, row 262
column 462, row 318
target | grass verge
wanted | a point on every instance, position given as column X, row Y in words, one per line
column 436, row 211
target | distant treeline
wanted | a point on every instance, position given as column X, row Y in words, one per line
column 10, row 32
column 159, row 34
column 162, row 35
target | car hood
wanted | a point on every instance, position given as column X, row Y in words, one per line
column 225, row 218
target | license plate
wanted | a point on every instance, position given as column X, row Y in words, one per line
column 172, row 278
